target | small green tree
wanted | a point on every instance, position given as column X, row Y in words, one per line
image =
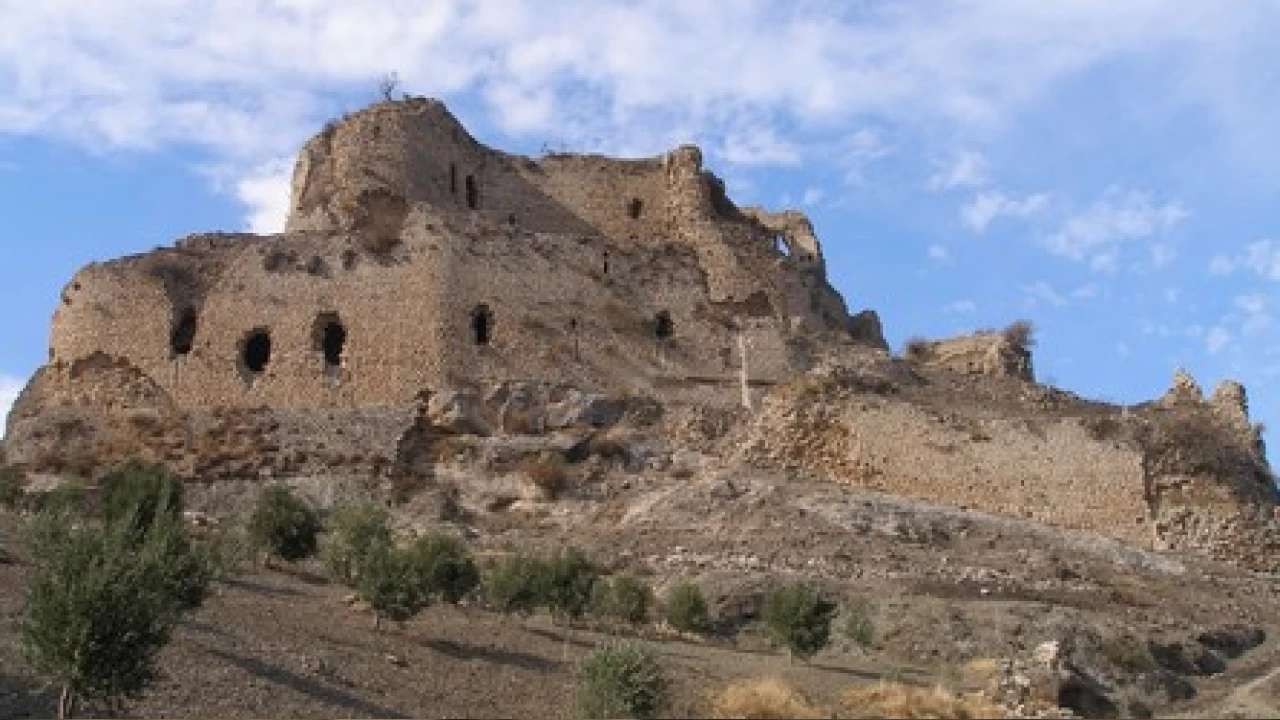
column 389, row 583
column 284, row 525
column 799, row 618
column 141, row 491
column 355, row 532
column 102, row 600
column 621, row 679
column 511, row 586
column 566, row 581
column 621, row 597
column 686, row 608
column 444, row 567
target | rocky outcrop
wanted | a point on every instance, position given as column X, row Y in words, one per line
column 1005, row 353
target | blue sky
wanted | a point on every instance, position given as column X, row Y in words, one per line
column 1108, row 170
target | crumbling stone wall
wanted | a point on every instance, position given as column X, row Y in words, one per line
column 986, row 352
column 416, row 257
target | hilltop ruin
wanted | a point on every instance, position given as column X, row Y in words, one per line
column 437, row 309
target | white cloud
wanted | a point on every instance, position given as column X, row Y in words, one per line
column 1098, row 232
column 939, row 253
column 986, row 207
column 1043, row 291
column 960, row 307
column 813, row 196
column 857, row 151
column 1221, row 265
column 265, row 192
column 1162, row 254
column 249, row 80
column 1217, row 339
column 1263, row 257
column 759, row 146
column 10, row 386
column 967, row 168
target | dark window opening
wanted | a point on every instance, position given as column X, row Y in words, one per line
column 481, row 325
column 453, row 178
column 663, row 328
column 256, row 353
column 606, row 262
column 330, row 338
column 473, row 193
column 183, row 336
column 511, row 219
column 780, row 244
column 635, row 208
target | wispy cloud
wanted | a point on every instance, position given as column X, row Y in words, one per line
column 939, row 253
column 153, row 72
column 1098, row 232
column 265, row 192
column 960, row 307
column 986, row 207
column 967, row 168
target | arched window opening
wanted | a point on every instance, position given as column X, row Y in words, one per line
column 473, row 193
column 606, row 262
column 663, row 327
column 481, row 325
column 780, row 244
column 183, row 336
column 453, row 179
column 635, row 208
column 255, row 352
column 329, row 336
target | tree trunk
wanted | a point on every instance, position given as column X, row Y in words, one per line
column 66, row 703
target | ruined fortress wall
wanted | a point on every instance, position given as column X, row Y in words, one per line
column 1056, row 474
column 388, row 312
column 555, row 313
column 404, row 230
column 383, row 161
column 418, row 152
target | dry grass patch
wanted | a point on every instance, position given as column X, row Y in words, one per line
column 894, row 700
column 762, row 698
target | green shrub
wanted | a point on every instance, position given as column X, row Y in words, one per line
column 798, row 618
column 565, row 583
column 858, row 625
column 621, row 597
column 686, row 608
column 355, row 532
column 284, row 525
column 621, row 680
column 512, row 586
column 444, row 567
column 139, row 492
column 11, row 484
column 389, row 583
column 102, row 600
column 69, row 497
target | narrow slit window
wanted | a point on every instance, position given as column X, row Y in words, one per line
column 663, row 327
column 473, row 193
column 183, row 336
column 481, row 325
column 330, row 338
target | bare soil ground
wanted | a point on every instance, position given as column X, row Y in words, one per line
column 945, row 588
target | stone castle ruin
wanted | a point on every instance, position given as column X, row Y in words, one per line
column 435, row 306
column 416, row 257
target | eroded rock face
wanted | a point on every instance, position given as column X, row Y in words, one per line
column 1005, row 353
